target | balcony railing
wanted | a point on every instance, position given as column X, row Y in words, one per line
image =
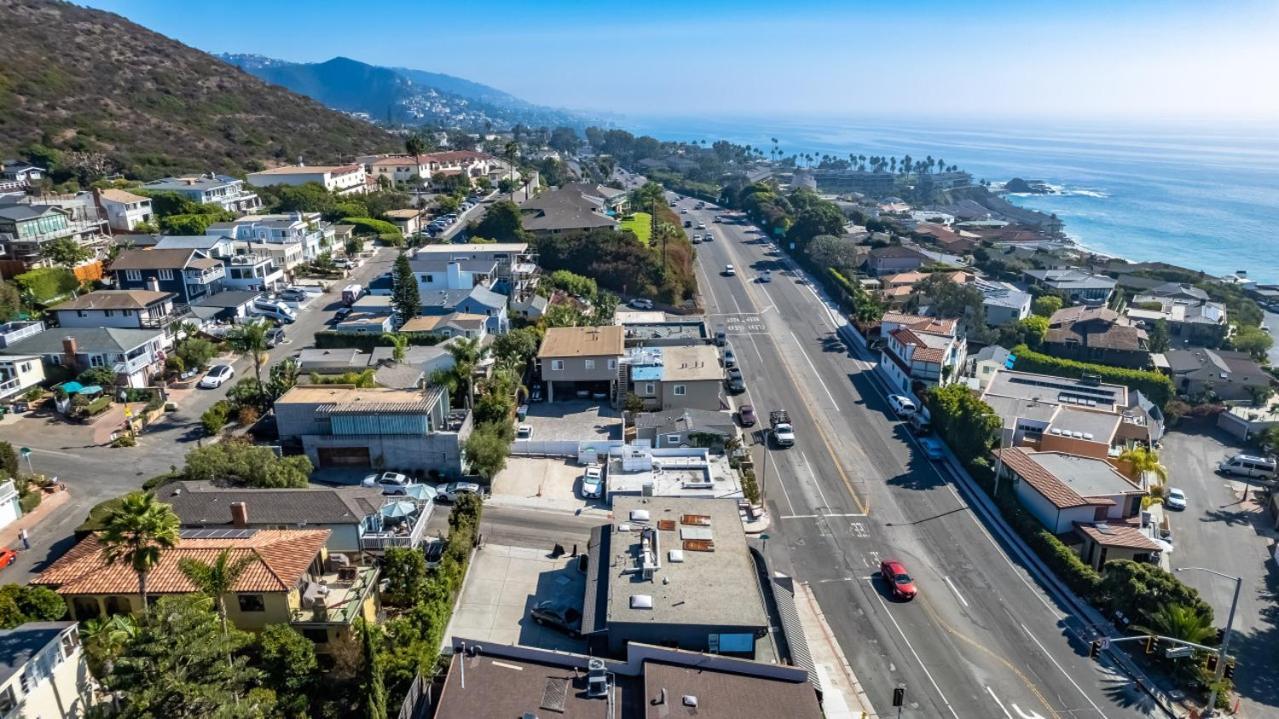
column 9, row 387
column 12, row 332
column 333, row 599
column 382, row 541
column 133, row 365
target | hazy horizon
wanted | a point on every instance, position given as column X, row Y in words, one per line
column 1144, row 62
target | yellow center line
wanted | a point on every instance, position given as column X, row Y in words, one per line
column 989, row 652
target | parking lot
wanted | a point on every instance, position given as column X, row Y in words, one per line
column 543, row 483
column 1226, row 527
column 501, row 588
column 579, row 421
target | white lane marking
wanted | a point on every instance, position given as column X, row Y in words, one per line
column 954, row 589
column 1001, row 704
column 779, row 483
column 1063, row 673
column 37, row 450
column 911, row 647
column 1024, row 715
column 816, row 374
column 822, row 516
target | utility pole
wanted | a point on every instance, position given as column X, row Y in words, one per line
column 1210, row 710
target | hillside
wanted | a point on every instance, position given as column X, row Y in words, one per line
column 101, row 91
column 402, row 95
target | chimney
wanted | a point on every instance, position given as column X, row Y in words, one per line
column 153, row 284
column 69, row 352
column 239, row 514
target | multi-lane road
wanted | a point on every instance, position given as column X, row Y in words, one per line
column 983, row 638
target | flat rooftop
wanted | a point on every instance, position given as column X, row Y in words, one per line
column 323, row 394
column 689, row 330
column 1085, row 424
column 712, row 580
column 670, row 476
column 1088, row 477
column 1056, row 390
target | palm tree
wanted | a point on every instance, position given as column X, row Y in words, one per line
column 104, row 639
column 467, row 354
column 217, row 579
column 1142, row 459
column 251, row 340
column 415, row 146
column 137, row 532
column 399, row 345
column 1180, row 622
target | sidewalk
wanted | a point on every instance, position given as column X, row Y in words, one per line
column 48, row 504
column 842, row 694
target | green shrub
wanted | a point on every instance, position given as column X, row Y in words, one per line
column 1157, row 387
column 124, row 440
column 47, row 283
column 30, row 501
column 214, row 419
column 97, row 406
column 102, row 376
column 385, row 231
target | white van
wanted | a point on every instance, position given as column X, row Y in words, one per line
column 278, row 311
column 1247, row 465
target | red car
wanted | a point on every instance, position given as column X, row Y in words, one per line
column 7, row 557
column 898, row 580
column 746, row 415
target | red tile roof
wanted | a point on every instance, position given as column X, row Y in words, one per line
column 281, row 558
column 1118, row 535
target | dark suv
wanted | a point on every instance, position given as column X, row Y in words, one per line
column 736, row 384
column 550, row 614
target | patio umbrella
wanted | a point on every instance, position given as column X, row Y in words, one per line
column 91, row 389
column 72, row 387
column 420, row 492
column 398, row 510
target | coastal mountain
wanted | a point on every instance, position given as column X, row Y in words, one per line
column 85, row 87
column 403, row 95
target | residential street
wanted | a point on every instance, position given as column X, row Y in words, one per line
column 96, row 473
column 1222, row 530
column 982, row 639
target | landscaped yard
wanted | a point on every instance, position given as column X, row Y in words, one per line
column 640, row 223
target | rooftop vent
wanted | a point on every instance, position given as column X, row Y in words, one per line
column 666, row 525
column 675, row 555
column 690, row 700
column 641, row 601
column 696, row 520
column 554, row 694
column 639, row 515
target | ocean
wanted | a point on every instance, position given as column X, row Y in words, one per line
column 1207, row 199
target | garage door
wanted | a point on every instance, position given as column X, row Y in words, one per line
column 344, row 457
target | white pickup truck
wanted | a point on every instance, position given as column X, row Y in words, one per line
column 780, row 428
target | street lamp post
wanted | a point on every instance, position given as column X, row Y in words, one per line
column 1225, row 639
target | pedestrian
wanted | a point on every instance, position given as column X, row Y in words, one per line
column 26, row 541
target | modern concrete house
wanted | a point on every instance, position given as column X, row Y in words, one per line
column 403, row 430
column 1076, row 285
column 1061, row 489
column 224, row 191
column 573, row 359
column 43, row 673
column 1191, row 317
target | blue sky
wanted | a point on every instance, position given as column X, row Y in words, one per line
column 1137, row 60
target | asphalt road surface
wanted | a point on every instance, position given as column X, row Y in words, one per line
column 982, row 639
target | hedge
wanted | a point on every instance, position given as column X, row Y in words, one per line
column 47, row 283
column 328, row 340
column 1157, row 387
column 370, row 226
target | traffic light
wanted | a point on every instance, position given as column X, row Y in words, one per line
column 1229, row 671
column 1212, row 662
column 899, row 696
column 1094, row 649
column 1152, row 643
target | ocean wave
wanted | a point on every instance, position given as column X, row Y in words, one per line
column 1084, row 193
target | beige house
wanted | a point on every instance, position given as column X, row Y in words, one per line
column 581, row 359
column 43, row 674
column 688, row 377
column 409, row 220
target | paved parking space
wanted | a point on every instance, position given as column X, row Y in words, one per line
column 1225, row 527
column 544, row 483
column 574, row 420
column 503, row 584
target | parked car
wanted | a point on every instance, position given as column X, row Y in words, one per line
column 524, row 431
column 433, row 550
column 902, row 405
column 736, row 384
column 593, row 482
column 1247, row 465
column 899, row 582
column 273, row 310
column 216, row 376
column 746, row 415
column 701, row 225
column 550, row 613
column 932, row 448
column 640, row 303
column 389, row 482
column 730, row 359
column 766, row 276
column 1175, row 499
column 292, row 295
column 535, row 394
column 342, row 313
column 7, row 557
column 274, row 336
column 451, row 491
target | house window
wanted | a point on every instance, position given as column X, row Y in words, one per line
column 127, row 313
column 97, row 361
column 109, row 313
column 7, row 701
column 70, row 641
column 681, row 390
column 318, row 636
column 612, row 364
column 557, row 365
column 590, row 364
column 251, row 603
column 166, row 274
column 133, row 275
column 649, row 388
column 81, row 313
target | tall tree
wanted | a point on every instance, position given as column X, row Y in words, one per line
column 1143, row 460
column 467, row 353
column 1180, row 622
column 66, row 252
column 250, row 339
column 1160, row 337
column 415, row 145
column 137, row 531
column 374, row 687
column 399, row 345
column 288, row 660
column 404, row 293
column 216, row 579
column 501, row 222
column 105, row 638
column 282, row 378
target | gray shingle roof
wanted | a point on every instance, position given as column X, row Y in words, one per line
column 20, row 644
column 89, row 340
column 201, row 503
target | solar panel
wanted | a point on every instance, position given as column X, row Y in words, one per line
column 217, row 533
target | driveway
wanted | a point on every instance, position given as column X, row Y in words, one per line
column 94, row 472
column 1226, row 528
